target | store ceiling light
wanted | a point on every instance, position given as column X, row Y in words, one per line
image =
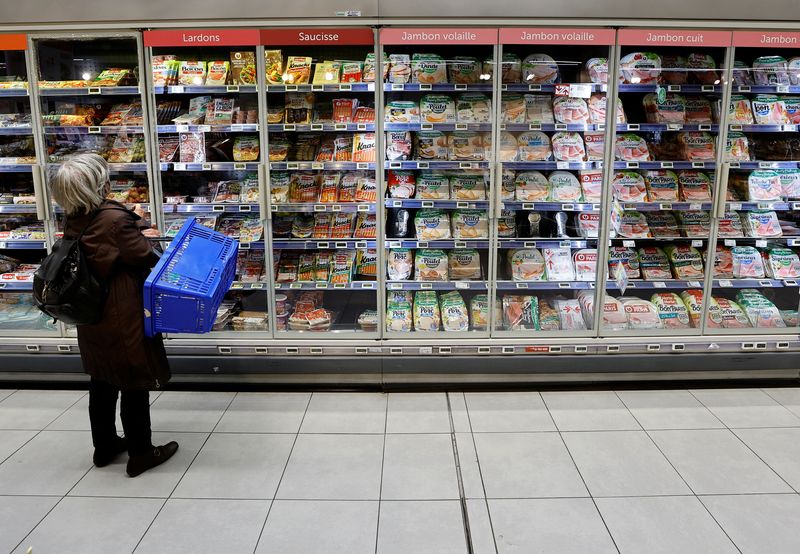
column 86, row 76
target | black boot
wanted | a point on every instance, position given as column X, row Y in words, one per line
column 155, row 457
column 105, row 455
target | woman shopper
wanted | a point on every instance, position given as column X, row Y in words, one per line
column 115, row 352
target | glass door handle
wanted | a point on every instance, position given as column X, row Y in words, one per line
column 722, row 192
column 39, row 192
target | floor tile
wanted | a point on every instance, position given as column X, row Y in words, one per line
column 623, row 463
column 458, row 411
column 76, row 418
column 189, row 411
column 746, row 408
column 664, row 524
column 508, row 412
column 212, row 526
column 5, row 393
column 563, row 525
column 312, row 527
column 158, row 482
column 527, row 465
column 334, row 467
column 419, row 467
column 239, row 466
column 669, row 409
column 19, row 515
column 264, row 413
column 435, row 527
column 468, row 462
column 334, row 412
column 11, row 441
column 759, row 523
column 786, row 396
column 35, row 409
column 716, row 462
column 117, row 524
column 417, row 413
column 480, row 527
column 779, row 448
column 49, row 464
column 589, row 411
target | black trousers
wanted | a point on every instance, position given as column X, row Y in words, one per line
column 134, row 412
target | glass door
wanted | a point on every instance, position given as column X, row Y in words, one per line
column 438, row 173
column 661, row 186
column 23, row 237
column 756, row 264
column 323, row 181
column 205, row 103
column 550, row 148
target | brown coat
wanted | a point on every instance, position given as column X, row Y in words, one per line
column 116, row 350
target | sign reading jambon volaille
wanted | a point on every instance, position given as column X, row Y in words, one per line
column 202, row 37
column 439, row 35
column 552, row 35
column 318, row 37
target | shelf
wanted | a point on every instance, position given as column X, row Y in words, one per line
column 451, row 243
column 203, row 89
column 16, row 286
column 546, row 243
column 764, row 165
column 689, row 89
column 622, row 127
column 665, row 165
column 763, row 128
column 442, row 87
column 89, row 91
column 14, row 244
column 438, row 127
column 17, row 208
column 658, row 127
column 16, row 131
column 13, row 92
column 95, row 130
column 435, row 164
column 524, row 87
column 210, row 208
column 342, row 87
column 322, row 244
column 332, row 166
column 545, row 285
column 768, row 89
column 309, row 208
column 241, row 285
column 437, row 285
column 16, row 168
column 550, row 206
column 633, row 242
column 519, row 127
column 139, row 167
column 758, row 241
column 210, row 166
column 443, row 204
column 665, row 284
column 355, row 285
column 237, row 128
column 290, row 127
column 552, row 165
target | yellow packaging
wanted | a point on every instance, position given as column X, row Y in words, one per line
column 327, row 73
column 218, row 73
column 298, row 70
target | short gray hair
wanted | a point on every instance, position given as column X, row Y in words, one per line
column 79, row 184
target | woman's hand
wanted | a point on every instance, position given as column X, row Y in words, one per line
column 137, row 209
column 151, row 233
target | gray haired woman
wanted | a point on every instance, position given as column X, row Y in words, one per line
column 115, row 352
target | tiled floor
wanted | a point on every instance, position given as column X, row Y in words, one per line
column 678, row 471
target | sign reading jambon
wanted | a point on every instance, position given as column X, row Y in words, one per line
column 434, row 35
column 552, row 35
column 674, row 37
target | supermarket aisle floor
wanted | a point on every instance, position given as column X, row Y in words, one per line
column 629, row 471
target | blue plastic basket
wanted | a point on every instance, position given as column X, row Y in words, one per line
column 186, row 287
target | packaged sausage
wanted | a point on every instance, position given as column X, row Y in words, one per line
column 538, row 109
column 564, row 187
column 640, row 68
column 539, row 69
column 473, row 108
column 548, row 316
column 192, row 147
column 762, row 224
column 654, row 264
column 569, row 110
column 626, row 257
column 366, row 226
column 402, row 184
column 437, row 108
column 465, row 146
column 470, row 224
column 671, row 110
column 686, row 261
column 526, row 265
column 662, row 224
column 532, row 186
column 364, row 147
column 431, row 145
column 671, row 310
column 274, row 66
column 534, row 146
column 428, row 69
column 467, row 187
column 782, row 263
column 694, row 223
column 327, row 73
column 432, row 225
column 298, row 70
column 433, row 186
column 558, row 264
column 695, row 186
column 641, row 314
column 747, row 263
column 771, row 71
column 299, row 107
column 520, row 312
column 366, row 189
column 629, row 186
column 245, row 148
column 398, row 145
column 512, row 108
column 568, row 147
column 730, row 225
column 631, row 148
column 464, row 264
column 769, row 110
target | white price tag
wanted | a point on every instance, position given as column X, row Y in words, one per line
column 289, row 127
column 179, row 167
column 323, row 245
column 734, row 206
column 521, row 285
column 237, row 127
column 674, row 88
column 181, row 128
column 535, row 88
column 580, row 90
column 633, row 126
column 725, row 283
column 531, row 244
column 695, row 206
column 395, row 286
column 320, row 207
column 363, row 207
column 232, row 88
column 340, row 285
column 292, row 165
column 94, row 130
column 461, row 127
column 398, row 86
column 697, row 243
column 206, row 167
column 562, row 165
column 257, row 286
column 295, row 285
column 765, row 283
column 204, row 128
column 761, row 244
column 632, row 165
column 629, row 243
column 730, row 242
column 667, row 165
column 698, row 165
column 782, row 88
column 535, row 127
column 426, row 286
column 423, row 165
column 565, row 285
column 322, row 285
column 367, row 285
column 340, row 126
column 345, row 87
column 317, row 165
column 462, row 284
column 659, row 285
column 528, row 206
column 694, row 284
column 460, row 244
column 560, row 127
column 176, row 89
column 94, row 90
column 316, row 126
column 665, row 206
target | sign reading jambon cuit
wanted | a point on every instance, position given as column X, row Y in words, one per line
column 439, row 35
column 784, row 39
column 552, row 35
column 318, row 36
column 13, row 42
column 202, row 37
column 674, row 37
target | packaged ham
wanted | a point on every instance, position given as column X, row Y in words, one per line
column 569, row 110
column 597, row 70
column 737, row 147
column 520, row 312
column 782, row 263
column 747, row 263
column 465, row 146
column 791, row 106
column 662, row 185
column 671, row 110
column 631, row 148
column 641, row 314
column 398, row 145
column 762, row 224
column 740, row 111
column 640, row 68
column 760, row 311
column 632, row 225
column 564, row 186
column 512, row 108
column 764, row 186
column 741, row 74
column 431, row 265
column 597, row 109
column 694, row 223
column 539, row 109
column 698, row 111
column 464, row 186
column 401, row 111
column 539, row 69
column 626, row 257
column 479, row 312
column 732, row 316
column 431, row 145
column 790, row 182
column 568, row 147
column 428, row 69
column 629, row 186
column 427, row 317
column 589, row 224
column 671, row 310
column 507, row 224
column 454, row 312
column 531, row 186
column 674, row 69
column 507, row 184
column 464, row 264
column 534, row 146
column 585, row 262
column 526, row 265
column 662, row 224
column 592, row 185
column 509, row 151
column 402, row 184
column 723, row 262
column 570, row 317
column 473, row 108
column 693, row 298
column 510, row 68
column 769, row 110
column 702, row 68
column 437, row 108
column 399, row 313
column 730, row 225
column 771, row 71
column 794, row 71
column 558, row 264
column 697, row 146
column 654, row 264
column 433, row 186
column 432, row 225
column 464, row 70
column 685, row 260
column 695, row 186
column 470, row 224
column 399, row 264
column 595, row 146
column 614, row 316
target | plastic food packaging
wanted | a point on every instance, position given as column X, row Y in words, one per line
column 432, row 225
column 693, row 298
column 592, row 185
column 538, row 109
column 454, row 314
column 695, row 186
column 558, row 264
column 570, row 315
column 641, row 314
column 437, row 108
column 479, row 312
column 564, row 187
column 627, row 257
column 632, row 224
column 640, row 68
column 694, row 223
column 539, row 69
column 747, row 263
column 569, row 110
column 532, row 186
column 585, row 262
column 671, row 310
column 732, row 315
column 782, row 263
column 399, row 313
column 431, row 265
column 671, row 110
column 470, row 224
column 464, row 264
column 685, row 260
column 662, row 185
column 769, row 110
column 568, row 147
column 428, row 69
column 526, row 265
column 631, row 148
column 761, row 312
column 762, row 224
column 770, row 71
column 629, row 186
column 662, row 224
column 520, row 312
column 534, row 146
column 654, row 264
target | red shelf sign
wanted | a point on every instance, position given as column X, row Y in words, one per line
column 450, row 35
column 772, row 39
column 674, row 37
column 202, row 37
column 551, row 35
column 318, row 36
column 13, row 42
